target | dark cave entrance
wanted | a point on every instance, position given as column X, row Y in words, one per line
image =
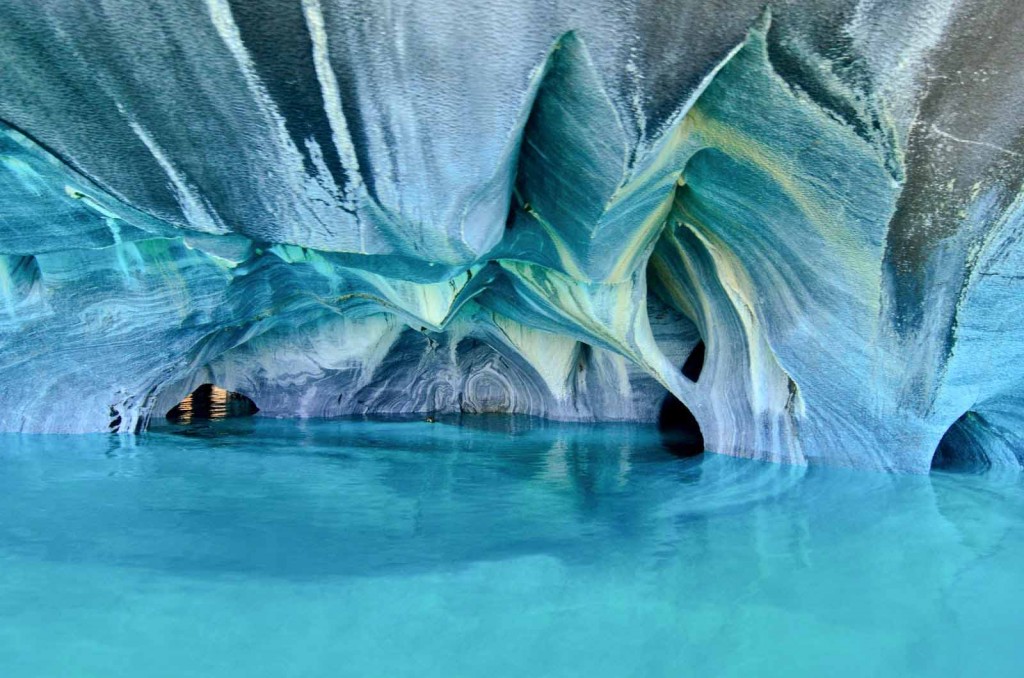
column 959, row 450
column 694, row 364
column 211, row 402
column 680, row 432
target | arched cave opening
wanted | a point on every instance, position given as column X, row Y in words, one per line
column 960, row 450
column 680, row 432
column 211, row 402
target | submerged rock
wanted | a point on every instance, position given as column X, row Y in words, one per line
column 340, row 208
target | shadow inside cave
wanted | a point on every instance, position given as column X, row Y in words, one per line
column 962, row 448
column 680, row 432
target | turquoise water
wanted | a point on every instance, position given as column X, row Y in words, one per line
column 501, row 547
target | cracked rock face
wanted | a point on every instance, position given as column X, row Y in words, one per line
column 338, row 207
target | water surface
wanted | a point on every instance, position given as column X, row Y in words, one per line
column 501, row 547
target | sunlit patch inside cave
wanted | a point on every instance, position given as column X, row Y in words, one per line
column 211, row 402
column 680, row 432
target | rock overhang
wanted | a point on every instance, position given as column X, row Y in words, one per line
column 558, row 246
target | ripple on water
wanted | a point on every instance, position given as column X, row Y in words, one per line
column 490, row 545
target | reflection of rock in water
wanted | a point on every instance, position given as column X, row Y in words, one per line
column 211, row 402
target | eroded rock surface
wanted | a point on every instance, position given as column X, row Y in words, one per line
column 339, row 207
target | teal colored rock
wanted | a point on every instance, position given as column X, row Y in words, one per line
column 343, row 208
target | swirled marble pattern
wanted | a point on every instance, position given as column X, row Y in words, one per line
column 338, row 207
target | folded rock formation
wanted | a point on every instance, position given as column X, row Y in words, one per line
column 337, row 207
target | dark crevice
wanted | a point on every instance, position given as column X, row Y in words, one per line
column 680, row 432
column 694, row 363
column 961, row 448
column 515, row 206
column 23, row 276
column 211, row 402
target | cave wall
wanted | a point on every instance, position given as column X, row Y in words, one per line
column 407, row 207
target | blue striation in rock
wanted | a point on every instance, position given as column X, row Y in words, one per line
column 337, row 207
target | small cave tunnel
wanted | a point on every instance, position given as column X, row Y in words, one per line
column 211, row 402
column 961, row 449
column 680, row 432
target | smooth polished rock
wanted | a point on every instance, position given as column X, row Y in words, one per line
column 348, row 208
